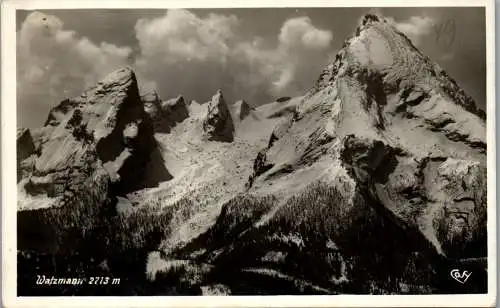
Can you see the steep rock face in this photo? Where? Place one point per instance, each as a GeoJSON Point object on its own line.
{"type": "Point", "coordinates": [379, 171]}
{"type": "Point", "coordinates": [95, 146]}
{"type": "Point", "coordinates": [218, 125]}
{"type": "Point", "coordinates": [444, 198]}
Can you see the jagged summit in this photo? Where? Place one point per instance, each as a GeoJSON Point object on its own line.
{"type": "Point", "coordinates": [383, 112]}
{"type": "Point", "coordinates": [218, 124]}
{"type": "Point", "coordinates": [371, 18]}
{"type": "Point", "coordinates": [173, 102]}
{"type": "Point", "coordinates": [381, 53]}
{"type": "Point", "coordinates": [122, 75]}
{"type": "Point", "coordinates": [121, 81]}
{"type": "Point", "coordinates": [105, 132]}
{"type": "Point", "coordinates": [173, 111]}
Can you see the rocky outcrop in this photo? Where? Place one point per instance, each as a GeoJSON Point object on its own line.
{"type": "Point", "coordinates": [218, 124]}
{"type": "Point", "coordinates": [283, 99]}
{"type": "Point", "coordinates": [41, 135]}
{"type": "Point", "coordinates": [152, 104]}
{"type": "Point", "coordinates": [241, 109]}
{"type": "Point", "coordinates": [441, 197]}
{"type": "Point", "coordinates": [60, 111]}
{"type": "Point", "coordinates": [173, 111]}
{"type": "Point", "coordinates": [164, 114]}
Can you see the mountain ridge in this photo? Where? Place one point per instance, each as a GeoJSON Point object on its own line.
{"type": "Point", "coordinates": [384, 144]}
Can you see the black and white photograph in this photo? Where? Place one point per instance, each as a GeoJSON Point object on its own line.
{"type": "Point", "coordinates": [250, 151]}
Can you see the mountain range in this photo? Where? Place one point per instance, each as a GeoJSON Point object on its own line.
{"type": "Point", "coordinates": [372, 182]}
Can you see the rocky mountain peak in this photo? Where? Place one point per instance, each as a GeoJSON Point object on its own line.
{"type": "Point", "coordinates": [241, 109]}
{"type": "Point", "coordinates": [178, 100]}
{"type": "Point", "coordinates": [174, 104]}
{"type": "Point", "coordinates": [122, 81]}
{"type": "Point", "coordinates": [370, 19]}
{"type": "Point", "coordinates": [382, 111]}
{"type": "Point", "coordinates": [122, 76]}
{"type": "Point", "coordinates": [218, 124]}
{"type": "Point", "coordinates": [173, 111]}
{"type": "Point", "coordinates": [383, 57]}
{"type": "Point", "coordinates": [105, 130]}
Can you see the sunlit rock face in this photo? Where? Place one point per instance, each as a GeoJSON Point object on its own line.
{"type": "Point", "coordinates": [218, 124]}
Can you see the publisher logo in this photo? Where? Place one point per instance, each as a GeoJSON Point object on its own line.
{"type": "Point", "coordinates": [460, 276]}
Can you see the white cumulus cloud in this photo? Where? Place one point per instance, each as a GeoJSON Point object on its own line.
{"type": "Point", "coordinates": [304, 50]}
{"type": "Point", "coordinates": [177, 53]}
{"type": "Point", "coordinates": [180, 34]}
{"type": "Point", "coordinates": [415, 28]}
{"type": "Point", "coordinates": [299, 32]}
{"type": "Point", "coordinates": [191, 55]}
{"type": "Point", "coordinates": [54, 63]}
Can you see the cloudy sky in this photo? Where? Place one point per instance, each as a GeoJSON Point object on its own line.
{"type": "Point", "coordinates": [252, 54]}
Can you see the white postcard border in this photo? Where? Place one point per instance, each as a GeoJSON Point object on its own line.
{"type": "Point", "coordinates": [8, 167]}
